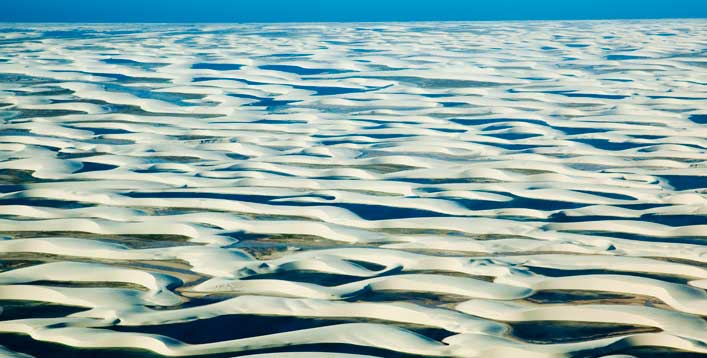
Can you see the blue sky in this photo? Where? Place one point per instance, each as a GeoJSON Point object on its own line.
{"type": "Point", "coordinates": [340, 10]}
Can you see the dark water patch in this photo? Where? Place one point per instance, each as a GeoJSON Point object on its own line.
{"type": "Point", "coordinates": [149, 66]}
{"type": "Point", "coordinates": [686, 182]}
{"type": "Point", "coordinates": [577, 297]}
{"type": "Point", "coordinates": [450, 130]}
{"type": "Point", "coordinates": [54, 91]}
{"type": "Point", "coordinates": [258, 171]}
{"type": "Point", "coordinates": [42, 349]}
{"type": "Point", "coordinates": [561, 217]}
{"type": "Point", "coordinates": [253, 240]}
{"type": "Point", "coordinates": [301, 70]}
{"type": "Point", "coordinates": [453, 104]}
{"type": "Point", "coordinates": [365, 211]}
{"type": "Point", "coordinates": [333, 348]}
{"type": "Point", "coordinates": [553, 272]}
{"type": "Point", "coordinates": [607, 194]}
{"type": "Point", "coordinates": [577, 45]}
{"type": "Point", "coordinates": [121, 108]}
{"type": "Point", "coordinates": [172, 159]}
{"type": "Point", "coordinates": [344, 141]}
{"type": "Point", "coordinates": [516, 202]}
{"type": "Point", "coordinates": [318, 90]}
{"type": "Point", "coordinates": [578, 130]}
{"type": "Point", "coordinates": [385, 124]}
{"type": "Point", "coordinates": [51, 203]}
{"type": "Point", "coordinates": [242, 80]}
{"type": "Point", "coordinates": [383, 169]}
{"type": "Point", "coordinates": [15, 309]}
{"type": "Point", "coordinates": [429, 299]}
{"type": "Point", "coordinates": [315, 277]}
{"type": "Point", "coordinates": [69, 34]}
{"type": "Point", "coordinates": [482, 121]}
{"type": "Point", "coordinates": [605, 144]}
{"type": "Point", "coordinates": [239, 326]}
{"type": "Point", "coordinates": [105, 131]}
{"type": "Point", "coordinates": [495, 127]}
{"type": "Point", "coordinates": [196, 137]}
{"type": "Point", "coordinates": [7, 30]}
{"type": "Point", "coordinates": [11, 188]}
{"type": "Point", "coordinates": [15, 132]}
{"type": "Point", "coordinates": [371, 266]}
{"type": "Point", "coordinates": [381, 212]}
{"type": "Point", "coordinates": [96, 48]}
{"type": "Point", "coordinates": [678, 97]}
{"type": "Point", "coordinates": [152, 169]}
{"type": "Point", "coordinates": [624, 80]}
{"type": "Point", "coordinates": [268, 102]}
{"type": "Point", "coordinates": [279, 121]}
{"type": "Point", "coordinates": [675, 220]}
{"type": "Point", "coordinates": [642, 206]}
{"type": "Point", "coordinates": [120, 77]}
{"type": "Point", "coordinates": [554, 332]}
{"type": "Point", "coordinates": [260, 199]}
{"type": "Point", "coordinates": [646, 136]}
{"type": "Point", "coordinates": [513, 136]}
{"type": "Point", "coordinates": [287, 55]}
{"type": "Point", "coordinates": [217, 66]}
{"type": "Point", "coordinates": [331, 91]}
{"type": "Point", "coordinates": [237, 156]}
{"type": "Point", "coordinates": [18, 176]}
{"type": "Point", "coordinates": [435, 95]}
{"type": "Point", "coordinates": [11, 261]}
{"type": "Point", "coordinates": [699, 118]}
{"type": "Point", "coordinates": [110, 141]}
{"type": "Point", "coordinates": [625, 57]}
{"type": "Point", "coordinates": [365, 50]}
{"type": "Point", "coordinates": [22, 113]}
{"type": "Point", "coordinates": [93, 284]}
{"type": "Point", "coordinates": [654, 352]}
{"type": "Point", "coordinates": [94, 167]}
{"type": "Point", "coordinates": [273, 34]}
{"type": "Point", "coordinates": [652, 148]}
{"type": "Point", "coordinates": [587, 95]}
{"type": "Point", "coordinates": [174, 98]}
{"type": "Point", "coordinates": [120, 32]}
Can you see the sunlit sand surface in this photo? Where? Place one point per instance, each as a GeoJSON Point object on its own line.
{"type": "Point", "coordinates": [517, 189]}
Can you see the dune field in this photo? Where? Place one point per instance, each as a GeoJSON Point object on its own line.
{"type": "Point", "coordinates": [354, 190]}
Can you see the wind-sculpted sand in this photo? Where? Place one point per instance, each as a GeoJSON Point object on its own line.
{"type": "Point", "coordinates": [530, 189]}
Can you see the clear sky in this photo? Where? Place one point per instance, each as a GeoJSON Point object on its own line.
{"type": "Point", "coordinates": [340, 10]}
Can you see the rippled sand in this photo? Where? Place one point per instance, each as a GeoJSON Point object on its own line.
{"type": "Point", "coordinates": [530, 189]}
